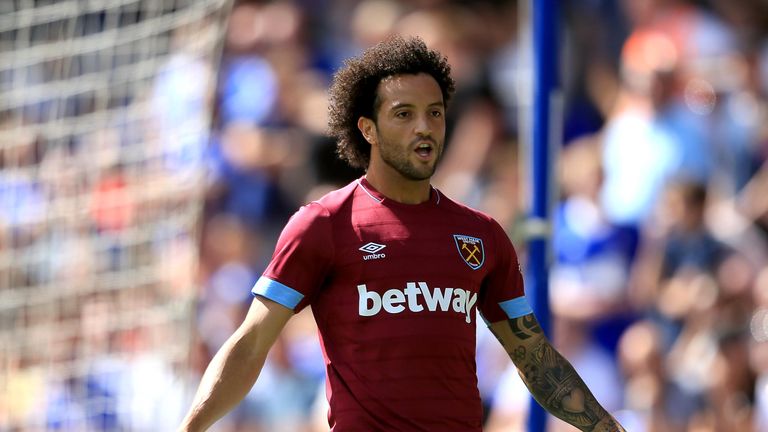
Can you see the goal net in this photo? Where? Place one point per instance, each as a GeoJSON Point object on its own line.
{"type": "Point", "coordinates": [104, 112]}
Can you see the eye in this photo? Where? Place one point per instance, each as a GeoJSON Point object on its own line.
{"type": "Point", "coordinates": [437, 113]}
{"type": "Point", "coordinates": [402, 114]}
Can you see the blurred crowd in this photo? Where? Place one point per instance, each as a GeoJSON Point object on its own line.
{"type": "Point", "coordinates": [100, 154]}
{"type": "Point", "coordinates": [659, 277]}
{"type": "Point", "coordinates": [659, 272]}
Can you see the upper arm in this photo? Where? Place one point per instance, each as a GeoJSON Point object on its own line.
{"type": "Point", "coordinates": [263, 323]}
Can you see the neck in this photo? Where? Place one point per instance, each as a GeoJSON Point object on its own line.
{"type": "Point", "coordinates": [398, 188]}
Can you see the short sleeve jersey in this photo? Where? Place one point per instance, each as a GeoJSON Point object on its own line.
{"type": "Point", "coordinates": [394, 289]}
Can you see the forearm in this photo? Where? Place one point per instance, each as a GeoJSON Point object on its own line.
{"type": "Point", "coordinates": [550, 378]}
{"type": "Point", "coordinates": [555, 384]}
{"type": "Point", "coordinates": [226, 381]}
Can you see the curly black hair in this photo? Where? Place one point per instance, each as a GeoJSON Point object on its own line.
{"type": "Point", "coordinates": [353, 93]}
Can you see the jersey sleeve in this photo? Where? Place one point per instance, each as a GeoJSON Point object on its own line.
{"type": "Point", "coordinates": [502, 294]}
{"type": "Point", "coordinates": [300, 262]}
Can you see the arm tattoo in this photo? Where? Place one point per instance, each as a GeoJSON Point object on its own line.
{"type": "Point", "coordinates": [552, 380]}
{"type": "Point", "coordinates": [518, 354]}
{"type": "Point", "coordinates": [525, 327]}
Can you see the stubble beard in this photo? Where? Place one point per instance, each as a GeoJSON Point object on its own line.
{"type": "Point", "coordinates": [399, 161]}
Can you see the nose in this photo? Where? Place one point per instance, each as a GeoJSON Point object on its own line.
{"type": "Point", "coordinates": [422, 127]}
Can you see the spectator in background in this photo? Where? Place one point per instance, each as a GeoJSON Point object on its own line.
{"type": "Point", "coordinates": [594, 256]}
{"type": "Point", "coordinates": [758, 350]}
{"type": "Point", "coordinates": [179, 109]}
{"type": "Point", "coordinates": [698, 307]}
{"type": "Point", "coordinates": [640, 357]}
{"type": "Point", "coordinates": [639, 156]}
{"type": "Point", "coordinates": [683, 248]}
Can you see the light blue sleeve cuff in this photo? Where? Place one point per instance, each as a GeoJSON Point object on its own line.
{"type": "Point", "coordinates": [277, 292]}
{"type": "Point", "coordinates": [516, 308]}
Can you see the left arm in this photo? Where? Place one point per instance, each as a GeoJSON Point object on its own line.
{"type": "Point", "coordinates": [550, 377]}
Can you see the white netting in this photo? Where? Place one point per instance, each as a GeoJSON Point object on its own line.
{"type": "Point", "coordinates": [104, 112]}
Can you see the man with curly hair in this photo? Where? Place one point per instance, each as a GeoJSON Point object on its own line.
{"type": "Point", "coordinates": [394, 272]}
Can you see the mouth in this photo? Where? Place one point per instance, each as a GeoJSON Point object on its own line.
{"type": "Point", "coordinates": [424, 149]}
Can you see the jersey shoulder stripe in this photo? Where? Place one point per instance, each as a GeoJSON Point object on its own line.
{"type": "Point", "coordinates": [516, 307]}
{"type": "Point", "coordinates": [277, 292]}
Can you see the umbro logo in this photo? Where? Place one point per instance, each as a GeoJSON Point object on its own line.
{"type": "Point", "coordinates": [371, 249]}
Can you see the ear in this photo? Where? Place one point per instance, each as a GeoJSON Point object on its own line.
{"type": "Point", "coordinates": [368, 128]}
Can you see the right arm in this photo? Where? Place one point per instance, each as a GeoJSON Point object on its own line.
{"type": "Point", "coordinates": [236, 366]}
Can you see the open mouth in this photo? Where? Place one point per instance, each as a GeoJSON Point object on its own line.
{"type": "Point", "coordinates": [424, 150]}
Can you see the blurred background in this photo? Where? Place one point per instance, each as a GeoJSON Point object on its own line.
{"type": "Point", "coordinates": [151, 151]}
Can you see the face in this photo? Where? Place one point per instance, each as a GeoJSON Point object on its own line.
{"type": "Point", "coordinates": [408, 134]}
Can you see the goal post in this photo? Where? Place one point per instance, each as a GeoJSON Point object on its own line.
{"type": "Point", "coordinates": [105, 107]}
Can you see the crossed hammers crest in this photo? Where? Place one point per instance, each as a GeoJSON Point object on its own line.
{"type": "Point", "coordinates": [472, 252]}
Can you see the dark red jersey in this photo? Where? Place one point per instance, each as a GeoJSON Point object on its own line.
{"type": "Point", "coordinates": [394, 289]}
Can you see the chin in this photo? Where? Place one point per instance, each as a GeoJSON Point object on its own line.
{"type": "Point", "coordinates": [424, 176]}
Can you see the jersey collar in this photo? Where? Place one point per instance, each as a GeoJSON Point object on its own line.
{"type": "Point", "coordinates": [434, 195]}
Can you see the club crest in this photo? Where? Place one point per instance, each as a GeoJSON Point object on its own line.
{"type": "Point", "coordinates": [471, 250]}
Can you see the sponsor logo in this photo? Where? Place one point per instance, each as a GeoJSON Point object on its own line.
{"type": "Point", "coordinates": [416, 297]}
{"type": "Point", "coordinates": [371, 249]}
{"type": "Point", "coordinates": [471, 250]}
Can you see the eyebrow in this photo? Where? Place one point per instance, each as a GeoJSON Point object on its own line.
{"type": "Point", "coordinates": [409, 105]}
